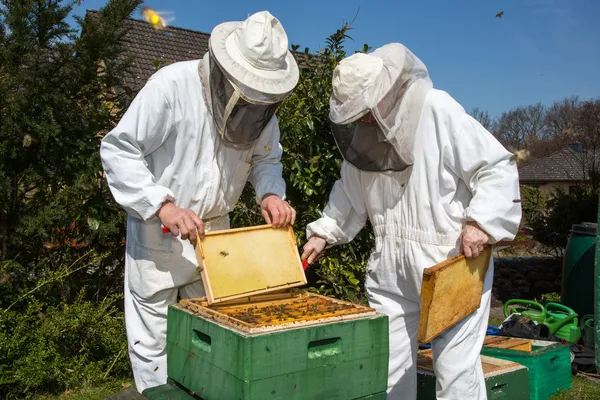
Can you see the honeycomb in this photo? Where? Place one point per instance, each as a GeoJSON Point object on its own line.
{"type": "Point", "coordinates": [301, 308]}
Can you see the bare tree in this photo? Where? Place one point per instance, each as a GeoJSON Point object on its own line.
{"type": "Point", "coordinates": [484, 118]}
{"type": "Point", "coordinates": [587, 125]}
{"type": "Point", "coordinates": [561, 117]}
{"type": "Point", "coordinates": [522, 127]}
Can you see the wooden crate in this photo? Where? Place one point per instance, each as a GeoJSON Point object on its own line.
{"type": "Point", "coordinates": [451, 291]}
{"type": "Point", "coordinates": [270, 350]}
{"type": "Point", "coordinates": [549, 364]}
{"type": "Point", "coordinates": [503, 379]}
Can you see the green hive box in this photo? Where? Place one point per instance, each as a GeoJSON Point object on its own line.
{"type": "Point", "coordinates": [549, 365]}
{"type": "Point", "coordinates": [504, 380]}
{"type": "Point", "coordinates": [172, 391]}
{"type": "Point", "coordinates": [214, 354]}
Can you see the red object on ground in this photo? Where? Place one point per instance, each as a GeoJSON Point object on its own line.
{"type": "Point", "coordinates": [305, 264]}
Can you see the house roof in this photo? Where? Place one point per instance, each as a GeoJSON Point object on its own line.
{"type": "Point", "coordinates": [566, 165]}
{"type": "Point", "coordinates": [147, 47]}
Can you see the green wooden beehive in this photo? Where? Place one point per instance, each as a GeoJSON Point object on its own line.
{"type": "Point", "coordinates": [549, 365]}
{"type": "Point", "coordinates": [504, 380]}
{"type": "Point", "coordinates": [256, 336]}
{"type": "Point", "coordinates": [220, 359]}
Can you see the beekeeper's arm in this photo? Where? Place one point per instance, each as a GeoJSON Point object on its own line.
{"type": "Point", "coordinates": [266, 177]}
{"type": "Point", "coordinates": [343, 217]}
{"type": "Point", "coordinates": [478, 159]}
{"type": "Point", "coordinates": [145, 126]}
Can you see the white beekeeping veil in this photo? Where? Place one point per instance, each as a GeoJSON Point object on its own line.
{"type": "Point", "coordinates": [390, 84]}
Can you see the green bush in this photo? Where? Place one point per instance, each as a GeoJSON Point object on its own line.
{"type": "Point", "coordinates": [53, 349]}
{"type": "Point", "coordinates": [551, 219]}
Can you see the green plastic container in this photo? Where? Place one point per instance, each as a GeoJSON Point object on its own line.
{"type": "Point", "coordinates": [562, 322]}
{"type": "Point", "coordinates": [549, 366]}
{"type": "Point", "coordinates": [578, 269]}
{"type": "Point", "coordinates": [587, 331]}
{"type": "Point", "coordinates": [531, 309]}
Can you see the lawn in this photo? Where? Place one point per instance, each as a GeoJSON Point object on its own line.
{"type": "Point", "coordinates": [583, 389]}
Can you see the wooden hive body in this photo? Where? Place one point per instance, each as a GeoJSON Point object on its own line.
{"type": "Point", "coordinates": [324, 354]}
{"type": "Point", "coordinates": [504, 380]}
{"type": "Point", "coordinates": [549, 364]}
{"type": "Point", "coordinates": [265, 339]}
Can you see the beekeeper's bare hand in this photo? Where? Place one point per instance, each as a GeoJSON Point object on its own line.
{"type": "Point", "coordinates": [313, 249]}
{"type": "Point", "coordinates": [181, 221]}
{"type": "Point", "coordinates": [473, 240]}
{"type": "Point", "coordinates": [277, 212]}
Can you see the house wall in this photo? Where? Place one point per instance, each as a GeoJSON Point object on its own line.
{"type": "Point", "coordinates": [548, 188]}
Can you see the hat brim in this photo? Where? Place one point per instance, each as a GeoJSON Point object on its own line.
{"type": "Point", "coordinates": [276, 82]}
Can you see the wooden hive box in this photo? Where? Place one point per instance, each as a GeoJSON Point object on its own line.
{"type": "Point", "coordinates": [549, 364]}
{"type": "Point", "coordinates": [503, 379]}
{"type": "Point", "coordinates": [451, 291]}
{"type": "Point", "coordinates": [265, 338]}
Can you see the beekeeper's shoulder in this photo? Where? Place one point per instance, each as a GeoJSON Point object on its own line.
{"type": "Point", "coordinates": [440, 103]}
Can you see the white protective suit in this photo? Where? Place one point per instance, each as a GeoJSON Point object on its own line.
{"type": "Point", "coordinates": [166, 147]}
{"type": "Point", "coordinates": [456, 171]}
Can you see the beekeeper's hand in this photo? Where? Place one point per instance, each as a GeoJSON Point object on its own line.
{"type": "Point", "coordinates": [473, 240]}
{"type": "Point", "coordinates": [181, 221]}
{"type": "Point", "coordinates": [313, 249]}
{"type": "Point", "coordinates": [277, 212]}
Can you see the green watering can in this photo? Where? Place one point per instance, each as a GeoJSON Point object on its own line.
{"type": "Point", "coordinates": [562, 322]}
{"type": "Point", "coordinates": [587, 331]}
{"type": "Point", "coordinates": [532, 310]}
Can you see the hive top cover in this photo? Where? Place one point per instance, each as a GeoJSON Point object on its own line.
{"type": "Point", "coordinates": [236, 263]}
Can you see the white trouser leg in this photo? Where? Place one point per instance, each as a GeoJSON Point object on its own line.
{"type": "Point", "coordinates": [457, 362]}
{"type": "Point", "coordinates": [403, 318]}
{"type": "Point", "coordinates": [146, 323]}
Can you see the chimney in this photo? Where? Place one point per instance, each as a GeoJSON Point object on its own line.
{"type": "Point", "coordinates": [576, 147]}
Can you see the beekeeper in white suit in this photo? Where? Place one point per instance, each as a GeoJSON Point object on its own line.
{"type": "Point", "coordinates": [433, 182]}
{"type": "Point", "coordinates": [180, 157]}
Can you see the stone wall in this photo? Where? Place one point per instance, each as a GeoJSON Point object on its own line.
{"type": "Point", "coordinates": [526, 277]}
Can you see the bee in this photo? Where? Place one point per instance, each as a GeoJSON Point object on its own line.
{"type": "Point", "coordinates": [520, 155]}
{"type": "Point", "coordinates": [156, 19]}
{"type": "Point", "coordinates": [224, 253]}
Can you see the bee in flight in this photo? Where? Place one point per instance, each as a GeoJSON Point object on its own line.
{"type": "Point", "coordinates": [158, 19]}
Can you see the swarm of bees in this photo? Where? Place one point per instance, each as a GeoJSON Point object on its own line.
{"type": "Point", "coordinates": [158, 19]}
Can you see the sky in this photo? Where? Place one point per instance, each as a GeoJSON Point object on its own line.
{"type": "Point", "coordinates": [539, 51]}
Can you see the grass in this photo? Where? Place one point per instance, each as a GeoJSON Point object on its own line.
{"type": "Point", "coordinates": [90, 393]}
{"type": "Point", "coordinates": [583, 389]}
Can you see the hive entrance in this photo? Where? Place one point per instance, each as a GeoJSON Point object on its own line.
{"type": "Point", "coordinates": [299, 309]}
